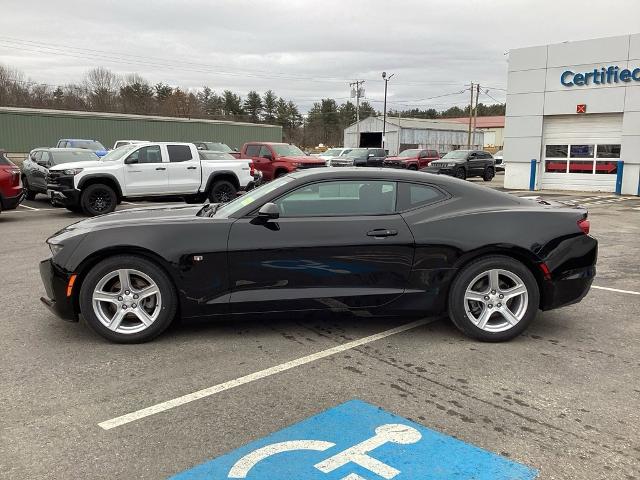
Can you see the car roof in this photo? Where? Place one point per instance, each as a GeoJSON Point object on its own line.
{"type": "Point", "coordinates": [56, 149]}
{"type": "Point", "coordinates": [77, 140]}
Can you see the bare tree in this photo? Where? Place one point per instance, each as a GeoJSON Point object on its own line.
{"type": "Point", "coordinates": [103, 87]}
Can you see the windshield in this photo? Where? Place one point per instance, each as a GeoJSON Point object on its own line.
{"type": "Point", "coordinates": [70, 156]}
{"type": "Point", "coordinates": [88, 144]}
{"type": "Point", "coordinates": [211, 155]}
{"type": "Point", "coordinates": [456, 154]}
{"type": "Point", "coordinates": [357, 152]}
{"type": "Point", "coordinates": [409, 153]}
{"type": "Point", "coordinates": [498, 154]}
{"type": "Point", "coordinates": [335, 152]}
{"type": "Point", "coordinates": [118, 153]}
{"type": "Point", "coordinates": [288, 150]}
{"type": "Point", "coordinates": [252, 196]}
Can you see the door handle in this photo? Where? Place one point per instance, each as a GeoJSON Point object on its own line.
{"type": "Point", "coordinates": [382, 232]}
{"type": "Point", "coordinates": [161, 168]}
{"type": "Point", "coordinates": [191, 168]}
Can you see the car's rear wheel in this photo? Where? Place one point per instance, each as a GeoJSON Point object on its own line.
{"type": "Point", "coordinates": [280, 173]}
{"type": "Point", "coordinates": [222, 191]}
{"type": "Point", "coordinates": [98, 199]}
{"type": "Point", "coordinates": [29, 194]}
{"type": "Point", "coordinates": [413, 167]}
{"type": "Point", "coordinates": [128, 299]}
{"type": "Point", "coordinates": [488, 175]}
{"type": "Point", "coordinates": [494, 299]}
{"type": "Point", "coordinates": [461, 173]}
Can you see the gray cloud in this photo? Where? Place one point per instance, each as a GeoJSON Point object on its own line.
{"type": "Point", "coordinates": [303, 50]}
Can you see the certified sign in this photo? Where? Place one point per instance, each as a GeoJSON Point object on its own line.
{"type": "Point", "coordinates": [358, 441]}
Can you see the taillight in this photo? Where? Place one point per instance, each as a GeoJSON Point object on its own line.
{"type": "Point", "coordinates": [15, 178]}
{"type": "Point", "coordinates": [252, 167]}
{"type": "Point", "coordinates": [584, 225]}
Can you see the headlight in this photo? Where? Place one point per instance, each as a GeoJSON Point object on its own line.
{"type": "Point", "coordinates": [55, 248]}
{"type": "Point", "coordinates": [451, 164]}
{"type": "Point", "coordinates": [72, 171]}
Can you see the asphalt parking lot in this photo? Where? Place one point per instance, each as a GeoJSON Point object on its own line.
{"type": "Point", "coordinates": [563, 398]}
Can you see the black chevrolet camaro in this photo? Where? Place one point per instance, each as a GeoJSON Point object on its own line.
{"type": "Point", "coordinates": [389, 242]}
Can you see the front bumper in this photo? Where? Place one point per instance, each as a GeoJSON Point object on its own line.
{"type": "Point", "coordinates": [55, 285]}
{"type": "Point", "coordinates": [64, 196]}
{"type": "Point", "coordinates": [394, 165]}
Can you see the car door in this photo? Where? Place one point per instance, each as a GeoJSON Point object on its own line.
{"type": "Point", "coordinates": [145, 172]}
{"type": "Point", "coordinates": [30, 165]}
{"type": "Point", "coordinates": [185, 175]}
{"type": "Point", "coordinates": [376, 157]}
{"type": "Point", "coordinates": [39, 173]}
{"type": "Point", "coordinates": [337, 245]}
{"type": "Point", "coordinates": [263, 161]}
{"type": "Point", "coordinates": [474, 163]}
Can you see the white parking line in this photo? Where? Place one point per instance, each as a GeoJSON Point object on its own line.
{"type": "Point", "coordinates": [30, 208]}
{"type": "Point", "coordinates": [631, 292]}
{"type": "Point", "coordinates": [252, 377]}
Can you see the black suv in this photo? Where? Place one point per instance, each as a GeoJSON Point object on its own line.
{"type": "Point", "coordinates": [36, 166]}
{"type": "Point", "coordinates": [464, 164]}
{"type": "Point", "coordinates": [361, 157]}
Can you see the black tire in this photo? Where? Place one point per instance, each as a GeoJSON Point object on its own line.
{"type": "Point", "coordinates": [222, 191]}
{"type": "Point", "coordinates": [461, 173]}
{"type": "Point", "coordinates": [488, 175]}
{"type": "Point", "coordinates": [169, 300]}
{"type": "Point", "coordinates": [280, 173]}
{"type": "Point", "coordinates": [457, 303]}
{"type": "Point", "coordinates": [412, 167]}
{"type": "Point", "coordinates": [98, 199]}
{"type": "Point", "coordinates": [29, 194]}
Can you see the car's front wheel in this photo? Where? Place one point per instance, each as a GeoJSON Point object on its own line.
{"type": "Point", "coordinates": [128, 299]}
{"type": "Point", "coordinates": [494, 299]}
{"type": "Point", "coordinates": [488, 175]}
{"type": "Point", "coordinates": [461, 173]}
{"type": "Point", "coordinates": [98, 199]}
{"type": "Point", "coordinates": [29, 194]}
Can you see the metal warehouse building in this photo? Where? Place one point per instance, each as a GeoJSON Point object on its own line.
{"type": "Point", "coordinates": [22, 129]}
{"type": "Point", "coordinates": [404, 133]}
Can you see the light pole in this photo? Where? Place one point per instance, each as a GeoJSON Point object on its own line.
{"type": "Point", "coordinates": [384, 113]}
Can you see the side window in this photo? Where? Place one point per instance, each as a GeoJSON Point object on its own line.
{"type": "Point", "coordinates": [45, 159]}
{"type": "Point", "coordinates": [179, 153]}
{"type": "Point", "coordinates": [252, 150]}
{"type": "Point", "coordinates": [432, 154]}
{"type": "Point", "coordinates": [363, 197]}
{"type": "Point", "coordinates": [150, 154]}
{"type": "Point", "coordinates": [36, 156]}
{"type": "Point", "coordinates": [265, 152]}
{"type": "Point", "coordinates": [412, 195]}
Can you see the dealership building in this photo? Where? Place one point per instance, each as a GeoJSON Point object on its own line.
{"type": "Point", "coordinates": [574, 108]}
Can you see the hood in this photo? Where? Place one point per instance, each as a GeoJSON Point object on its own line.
{"type": "Point", "coordinates": [402, 159]}
{"type": "Point", "coordinates": [137, 216]}
{"type": "Point", "coordinates": [85, 164]}
{"type": "Point", "coordinates": [298, 159]}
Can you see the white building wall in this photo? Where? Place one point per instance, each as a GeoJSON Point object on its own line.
{"type": "Point", "coordinates": [535, 91]}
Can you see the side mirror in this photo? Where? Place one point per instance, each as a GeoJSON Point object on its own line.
{"type": "Point", "coordinates": [269, 211]}
{"type": "Point", "coordinates": [130, 160]}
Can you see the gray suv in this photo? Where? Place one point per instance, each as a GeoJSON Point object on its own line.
{"type": "Point", "coordinates": [465, 163]}
{"type": "Point", "coordinates": [361, 157]}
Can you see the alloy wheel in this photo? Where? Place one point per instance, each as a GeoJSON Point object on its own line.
{"type": "Point", "coordinates": [496, 300]}
{"type": "Point", "coordinates": [100, 200]}
{"type": "Point", "coordinates": [223, 194]}
{"type": "Point", "coordinates": [126, 301]}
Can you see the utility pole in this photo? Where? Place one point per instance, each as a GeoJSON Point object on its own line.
{"type": "Point", "coordinates": [399, 132]}
{"type": "Point", "coordinates": [384, 114]}
{"type": "Point", "coordinates": [470, 119]}
{"type": "Point", "coordinates": [358, 91]}
{"type": "Point", "coordinates": [475, 113]}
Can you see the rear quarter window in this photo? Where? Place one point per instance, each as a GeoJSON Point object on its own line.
{"type": "Point", "coordinates": [413, 195]}
{"type": "Point", "coordinates": [179, 153]}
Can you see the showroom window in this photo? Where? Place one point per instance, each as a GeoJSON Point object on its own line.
{"type": "Point", "coordinates": [365, 197]}
{"type": "Point", "coordinates": [582, 158]}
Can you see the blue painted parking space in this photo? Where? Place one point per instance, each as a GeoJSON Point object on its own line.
{"type": "Point", "coordinates": [359, 441]}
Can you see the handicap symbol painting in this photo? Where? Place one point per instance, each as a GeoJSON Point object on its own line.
{"type": "Point", "coordinates": [359, 441]}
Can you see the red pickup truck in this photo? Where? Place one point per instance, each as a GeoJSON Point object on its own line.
{"type": "Point", "coordinates": [277, 159]}
{"type": "Point", "coordinates": [413, 159]}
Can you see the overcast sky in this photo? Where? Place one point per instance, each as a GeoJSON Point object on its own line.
{"type": "Point", "coordinates": [303, 50]}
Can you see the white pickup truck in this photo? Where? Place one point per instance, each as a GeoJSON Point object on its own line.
{"type": "Point", "coordinates": [147, 170]}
